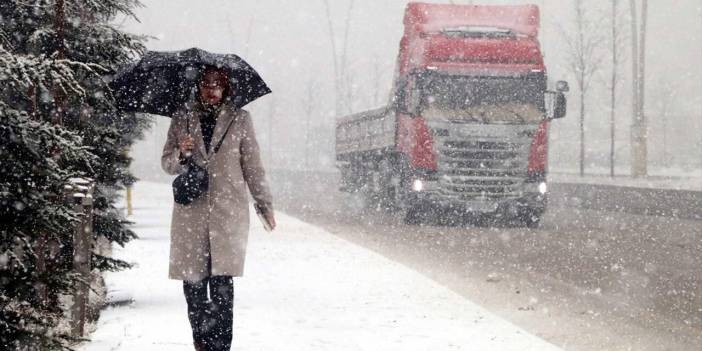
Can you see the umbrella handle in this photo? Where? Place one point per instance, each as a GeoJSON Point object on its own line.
{"type": "Point", "coordinates": [187, 129]}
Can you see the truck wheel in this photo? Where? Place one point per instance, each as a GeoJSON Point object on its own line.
{"type": "Point", "coordinates": [414, 215]}
{"type": "Point", "coordinates": [532, 219]}
{"type": "Point", "coordinates": [388, 191]}
{"type": "Point", "coordinates": [447, 216]}
{"type": "Point", "coordinates": [388, 200]}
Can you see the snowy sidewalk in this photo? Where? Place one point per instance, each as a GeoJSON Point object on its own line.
{"type": "Point", "coordinates": [303, 289]}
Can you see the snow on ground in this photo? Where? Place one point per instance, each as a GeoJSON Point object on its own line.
{"type": "Point", "coordinates": [691, 182]}
{"type": "Point", "coordinates": [304, 289]}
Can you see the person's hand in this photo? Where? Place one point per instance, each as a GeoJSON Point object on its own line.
{"type": "Point", "coordinates": [187, 145]}
{"type": "Point", "coordinates": [270, 218]}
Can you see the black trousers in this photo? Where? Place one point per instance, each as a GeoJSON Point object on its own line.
{"type": "Point", "coordinates": [211, 318]}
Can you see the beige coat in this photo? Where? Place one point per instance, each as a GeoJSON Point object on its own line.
{"type": "Point", "coordinates": [218, 222]}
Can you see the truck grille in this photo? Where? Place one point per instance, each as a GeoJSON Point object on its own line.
{"type": "Point", "coordinates": [486, 169]}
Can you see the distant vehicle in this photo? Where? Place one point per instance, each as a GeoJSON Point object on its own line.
{"type": "Point", "coordinates": [466, 129]}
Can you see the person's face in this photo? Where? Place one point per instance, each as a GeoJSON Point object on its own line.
{"type": "Point", "coordinates": [212, 86]}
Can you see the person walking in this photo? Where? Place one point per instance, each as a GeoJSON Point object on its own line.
{"type": "Point", "coordinates": [209, 236]}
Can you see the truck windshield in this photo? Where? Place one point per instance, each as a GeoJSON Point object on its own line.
{"type": "Point", "coordinates": [478, 32]}
{"type": "Point", "coordinates": [484, 99]}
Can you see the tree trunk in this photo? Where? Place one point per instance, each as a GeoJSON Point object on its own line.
{"type": "Point", "coordinates": [347, 85]}
{"type": "Point", "coordinates": [615, 43]}
{"type": "Point", "coordinates": [582, 132]}
{"type": "Point", "coordinates": [699, 11]}
{"type": "Point", "coordinates": [634, 138]}
{"type": "Point", "coordinates": [340, 75]}
{"type": "Point", "coordinates": [642, 90]}
{"type": "Point", "coordinates": [337, 77]}
{"type": "Point", "coordinates": [638, 127]}
{"type": "Point", "coordinates": [581, 81]}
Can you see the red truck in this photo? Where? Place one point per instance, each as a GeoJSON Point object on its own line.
{"type": "Point", "coordinates": [466, 130]}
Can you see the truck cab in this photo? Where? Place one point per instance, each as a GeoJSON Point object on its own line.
{"type": "Point", "coordinates": [470, 111]}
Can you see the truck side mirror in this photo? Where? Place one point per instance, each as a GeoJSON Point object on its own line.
{"type": "Point", "coordinates": [407, 99]}
{"type": "Point", "coordinates": [561, 105]}
{"type": "Point", "coordinates": [556, 105]}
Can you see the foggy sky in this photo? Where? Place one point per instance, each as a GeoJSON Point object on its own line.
{"type": "Point", "coordinates": [288, 43]}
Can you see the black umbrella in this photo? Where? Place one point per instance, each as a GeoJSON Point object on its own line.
{"type": "Point", "coordinates": [161, 82]}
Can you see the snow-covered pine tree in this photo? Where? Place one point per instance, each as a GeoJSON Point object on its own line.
{"type": "Point", "coordinates": [55, 55]}
{"type": "Point", "coordinates": [85, 31]}
{"type": "Point", "coordinates": [37, 160]}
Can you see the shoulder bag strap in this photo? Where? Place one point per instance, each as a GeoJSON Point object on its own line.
{"type": "Point", "coordinates": [219, 144]}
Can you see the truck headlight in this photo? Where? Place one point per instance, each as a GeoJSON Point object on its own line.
{"type": "Point", "coordinates": [417, 185]}
{"type": "Point", "coordinates": [543, 188]}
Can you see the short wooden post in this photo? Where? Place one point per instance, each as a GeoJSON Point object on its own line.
{"type": "Point", "coordinates": [82, 245]}
{"type": "Point", "coordinates": [129, 201]}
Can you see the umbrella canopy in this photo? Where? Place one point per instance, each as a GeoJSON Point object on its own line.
{"type": "Point", "coordinates": [162, 82]}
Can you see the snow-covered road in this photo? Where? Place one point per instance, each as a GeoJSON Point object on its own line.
{"type": "Point", "coordinates": [303, 289]}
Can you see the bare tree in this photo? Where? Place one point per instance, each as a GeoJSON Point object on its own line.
{"type": "Point", "coordinates": [346, 78]}
{"type": "Point", "coordinates": [639, 152]}
{"type": "Point", "coordinates": [699, 12]}
{"type": "Point", "coordinates": [309, 103]}
{"type": "Point", "coordinates": [666, 98]}
{"type": "Point", "coordinates": [583, 61]}
{"type": "Point", "coordinates": [332, 39]}
{"type": "Point", "coordinates": [634, 66]}
{"type": "Point", "coordinates": [341, 78]}
{"type": "Point", "coordinates": [617, 40]}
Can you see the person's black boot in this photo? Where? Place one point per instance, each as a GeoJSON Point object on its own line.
{"type": "Point", "coordinates": [198, 312]}
{"type": "Point", "coordinates": [221, 312]}
{"type": "Point", "coordinates": [200, 346]}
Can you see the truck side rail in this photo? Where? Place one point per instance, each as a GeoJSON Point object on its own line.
{"type": "Point", "coordinates": [365, 131]}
